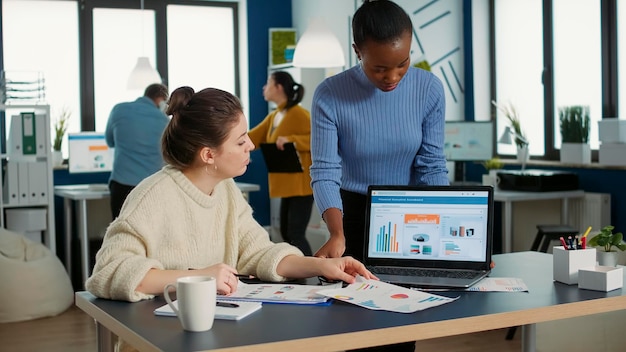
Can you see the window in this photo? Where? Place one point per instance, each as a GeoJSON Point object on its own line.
{"type": "Point", "coordinates": [577, 61]}
{"type": "Point", "coordinates": [120, 36]}
{"type": "Point", "coordinates": [208, 60]}
{"type": "Point", "coordinates": [88, 73]}
{"type": "Point", "coordinates": [549, 54]}
{"type": "Point", "coordinates": [43, 36]}
{"type": "Point", "coordinates": [519, 66]}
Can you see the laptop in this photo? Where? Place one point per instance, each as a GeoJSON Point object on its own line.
{"type": "Point", "coordinates": [429, 236]}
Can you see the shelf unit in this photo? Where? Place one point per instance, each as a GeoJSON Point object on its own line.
{"type": "Point", "coordinates": [35, 187]}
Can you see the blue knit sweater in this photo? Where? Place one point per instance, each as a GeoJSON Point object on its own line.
{"type": "Point", "coordinates": [363, 136]}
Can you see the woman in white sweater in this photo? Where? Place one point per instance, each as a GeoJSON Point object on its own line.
{"type": "Point", "coordinates": [191, 214]}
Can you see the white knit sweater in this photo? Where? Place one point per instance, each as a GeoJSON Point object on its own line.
{"type": "Point", "coordinates": [168, 223]}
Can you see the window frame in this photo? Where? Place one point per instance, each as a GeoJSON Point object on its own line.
{"type": "Point", "coordinates": [85, 23]}
{"type": "Point", "coordinates": [610, 88]}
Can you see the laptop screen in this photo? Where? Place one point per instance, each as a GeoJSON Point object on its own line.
{"type": "Point", "coordinates": [430, 223]}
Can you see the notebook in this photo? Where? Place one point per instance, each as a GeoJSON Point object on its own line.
{"type": "Point", "coordinates": [429, 236]}
{"type": "Point", "coordinates": [277, 160]}
{"type": "Point", "coordinates": [229, 311]}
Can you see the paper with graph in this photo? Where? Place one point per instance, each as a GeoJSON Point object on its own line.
{"type": "Point", "coordinates": [377, 295]}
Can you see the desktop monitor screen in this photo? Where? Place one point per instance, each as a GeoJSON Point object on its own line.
{"type": "Point", "coordinates": [468, 140]}
{"type": "Point", "coordinates": [89, 152]}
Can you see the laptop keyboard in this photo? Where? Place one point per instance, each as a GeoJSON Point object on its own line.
{"type": "Point", "coordinates": [427, 273]}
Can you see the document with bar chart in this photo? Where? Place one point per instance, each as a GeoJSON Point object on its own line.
{"type": "Point", "coordinates": [378, 295]}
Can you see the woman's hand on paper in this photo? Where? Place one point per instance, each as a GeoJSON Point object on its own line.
{"type": "Point", "coordinates": [344, 269]}
{"type": "Point", "coordinates": [225, 279]}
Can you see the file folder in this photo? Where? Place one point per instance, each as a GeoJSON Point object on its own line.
{"type": "Point", "coordinates": [29, 135]}
{"type": "Point", "coordinates": [11, 184]}
{"type": "Point", "coordinates": [37, 184]}
{"type": "Point", "coordinates": [41, 142]}
{"type": "Point", "coordinates": [22, 173]}
{"type": "Point", "coordinates": [286, 160]}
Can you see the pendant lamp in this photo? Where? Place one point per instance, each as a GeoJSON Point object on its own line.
{"type": "Point", "coordinates": [318, 48]}
{"type": "Point", "coordinates": [143, 74]}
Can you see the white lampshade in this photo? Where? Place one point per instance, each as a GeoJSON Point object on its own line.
{"type": "Point", "coordinates": [143, 74]}
{"type": "Point", "coordinates": [318, 48]}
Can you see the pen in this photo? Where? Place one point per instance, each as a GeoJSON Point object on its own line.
{"type": "Point", "coordinates": [584, 241]}
{"type": "Point", "coordinates": [563, 242]}
{"type": "Point", "coordinates": [227, 304]}
{"type": "Point", "coordinates": [587, 232]}
{"type": "Point", "coordinates": [242, 276]}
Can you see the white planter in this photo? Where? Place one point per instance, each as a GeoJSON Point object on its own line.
{"type": "Point", "coordinates": [576, 153]}
{"type": "Point", "coordinates": [523, 154]}
{"type": "Point", "coordinates": [612, 130]}
{"type": "Point", "coordinates": [489, 180]}
{"type": "Point", "coordinates": [606, 258]}
{"type": "Point", "coordinates": [57, 158]}
{"type": "Point", "coordinates": [612, 154]}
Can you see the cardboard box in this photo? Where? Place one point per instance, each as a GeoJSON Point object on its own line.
{"type": "Point", "coordinates": [567, 263]}
{"type": "Point", "coordinates": [600, 278]}
{"type": "Point", "coordinates": [612, 130]}
{"type": "Point", "coordinates": [612, 154]}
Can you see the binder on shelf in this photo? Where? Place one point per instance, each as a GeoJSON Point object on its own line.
{"type": "Point", "coordinates": [37, 185]}
{"type": "Point", "coordinates": [22, 174]}
{"type": "Point", "coordinates": [15, 137]}
{"type": "Point", "coordinates": [10, 185]}
{"type": "Point", "coordinates": [29, 137]}
{"type": "Point", "coordinates": [286, 160]}
{"type": "Point", "coordinates": [40, 136]}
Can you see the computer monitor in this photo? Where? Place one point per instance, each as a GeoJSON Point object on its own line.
{"type": "Point", "coordinates": [89, 152]}
{"type": "Point", "coordinates": [468, 140]}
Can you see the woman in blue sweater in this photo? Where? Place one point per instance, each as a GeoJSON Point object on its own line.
{"type": "Point", "coordinates": [380, 122]}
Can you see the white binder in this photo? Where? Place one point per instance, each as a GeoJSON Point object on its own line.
{"type": "Point", "coordinates": [11, 182]}
{"type": "Point", "coordinates": [15, 137]}
{"type": "Point", "coordinates": [40, 135]}
{"type": "Point", "coordinates": [22, 174]}
{"type": "Point", "coordinates": [37, 185]}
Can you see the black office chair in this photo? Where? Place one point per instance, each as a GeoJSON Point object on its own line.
{"type": "Point", "coordinates": [545, 235]}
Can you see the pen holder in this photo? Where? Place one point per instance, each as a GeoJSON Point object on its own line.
{"type": "Point", "coordinates": [567, 262]}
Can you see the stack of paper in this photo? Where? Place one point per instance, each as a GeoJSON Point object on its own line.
{"type": "Point", "coordinates": [280, 293]}
{"type": "Point", "coordinates": [237, 311]}
{"type": "Point", "coordinates": [378, 295]}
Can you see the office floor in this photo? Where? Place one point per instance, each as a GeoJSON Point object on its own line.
{"type": "Point", "coordinates": [74, 331]}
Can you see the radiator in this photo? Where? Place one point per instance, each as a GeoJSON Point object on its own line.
{"type": "Point", "coordinates": [594, 209]}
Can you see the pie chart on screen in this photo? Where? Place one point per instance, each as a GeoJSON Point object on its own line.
{"type": "Point", "coordinates": [399, 296]}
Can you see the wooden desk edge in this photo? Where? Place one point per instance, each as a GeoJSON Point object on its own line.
{"type": "Point", "coordinates": [111, 323]}
{"type": "Point", "coordinates": [385, 336]}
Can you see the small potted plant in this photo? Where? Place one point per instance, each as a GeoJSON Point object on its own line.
{"type": "Point", "coordinates": [511, 114]}
{"type": "Point", "coordinates": [60, 128]}
{"type": "Point", "coordinates": [574, 124]}
{"type": "Point", "coordinates": [491, 165]}
{"type": "Point", "coordinates": [609, 243]}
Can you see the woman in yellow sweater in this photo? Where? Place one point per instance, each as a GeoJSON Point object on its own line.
{"type": "Point", "coordinates": [289, 123]}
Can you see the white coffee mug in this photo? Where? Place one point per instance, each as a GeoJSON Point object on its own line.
{"type": "Point", "coordinates": [195, 300]}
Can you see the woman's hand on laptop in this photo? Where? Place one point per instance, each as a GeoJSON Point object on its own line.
{"type": "Point", "coordinates": [344, 269]}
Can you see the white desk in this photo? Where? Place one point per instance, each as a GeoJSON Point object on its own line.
{"type": "Point", "coordinates": [509, 197]}
{"type": "Point", "coordinates": [81, 194]}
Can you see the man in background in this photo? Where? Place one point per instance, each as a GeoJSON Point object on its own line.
{"type": "Point", "coordinates": [134, 129]}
